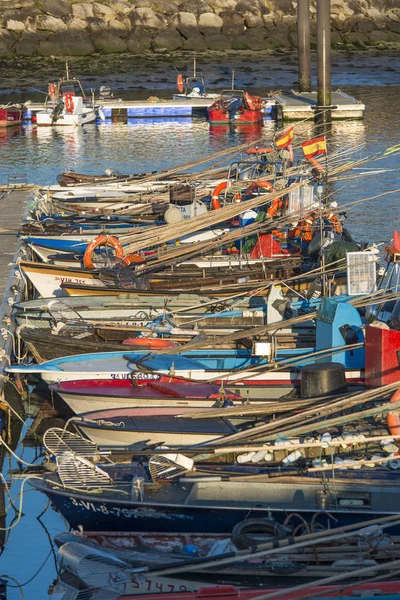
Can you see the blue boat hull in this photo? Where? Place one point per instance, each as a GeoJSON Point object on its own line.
{"type": "Point", "coordinates": [117, 515]}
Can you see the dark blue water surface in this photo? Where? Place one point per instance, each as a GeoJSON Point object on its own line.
{"type": "Point", "coordinates": [146, 145]}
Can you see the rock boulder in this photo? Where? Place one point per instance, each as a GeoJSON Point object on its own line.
{"type": "Point", "coordinates": [82, 10]}
{"type": "Point", "coordinates": [195, 42]}
{"type": "Point", "coordinates": [55, 8]}
{"type": "Point", "coordinates": [106, 43]}
{"type": "Point", "coordinates": [167, 41]}
{"type": "Point", "coordinates": [67, 43]}
{"type": "Point", "coordinates": [139, 40]}
{"type": "Point", "coordinates": [147, 18]}
{"type": "Point", "coordinates": [186, 24]}
{"type": "Point", "coordinates": [49, 23]}
{"type": "Point", "coordinates": [209, 23]}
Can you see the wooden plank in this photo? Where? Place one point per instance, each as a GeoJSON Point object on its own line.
{"type": "Point", "coordinates": [12, 207]}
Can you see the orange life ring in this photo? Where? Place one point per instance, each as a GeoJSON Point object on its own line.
{"type": "Point", "coordinates": [275, 206]}
{"type": "Point", "coordinates": [69, 103]}
{"type": "Point", "coordinates": [217, 191]}
{"type": "Point", "coordinates": [153, 343]}
{"type": "Point", "coordinates": [393, 418]}
{"type": "Point", "coordinates": [179, 83]}
{"type": "Point", "coordinates": [255, 185]}
{"type": "Point", "coordinates": [101, 240]}
{"type": "Point", "coordinates": [259, 151]}
{"type": "Point", "coordinates": [52, 89]}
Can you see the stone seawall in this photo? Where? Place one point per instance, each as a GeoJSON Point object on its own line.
{"type": "Point", "coordinates": [67, 28]}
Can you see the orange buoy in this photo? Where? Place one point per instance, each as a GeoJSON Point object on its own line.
{"type": "Point", "coordinates": [179, 83]}
{"type": "Point", "coordinates": [101, 240]}
{"type": "Point", "coordinates": [215, 195]}
{"type": "Point", "coordinates": [152, 343]}
{"type": "Point", "coordinates": [133, 258]}
{"type": "Point", "coordinates": [393, 418]}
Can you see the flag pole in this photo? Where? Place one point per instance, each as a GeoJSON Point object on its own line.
{"type": "Point", "coordinates": [323, 202]}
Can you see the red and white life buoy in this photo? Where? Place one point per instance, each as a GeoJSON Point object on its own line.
{"type": "Point", "coordinates": [69, 103]}
{"type": "Point", "coordinates": [179, 83]}
{"type": "Point", "coordinates": [101, 240]}
{"type": "Point", "coordinates": [52, 90]}
{"type": "Point", "coordinates": [217, 191]}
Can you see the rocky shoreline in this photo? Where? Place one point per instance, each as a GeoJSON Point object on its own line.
{"type": "Point", "coordinates": [62, 28]}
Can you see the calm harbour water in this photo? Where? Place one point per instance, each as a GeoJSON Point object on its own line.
{"type": "Point", "coordinates": [144, 145]}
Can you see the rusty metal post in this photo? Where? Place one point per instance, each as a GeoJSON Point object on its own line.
{"type": "Point", "coordinates": [303, 45]}
{"type": "Point", "coordinates": [324, 52]}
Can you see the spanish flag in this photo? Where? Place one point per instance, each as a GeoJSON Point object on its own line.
{"type": "Point", "coordinates": [314, 147]}
{"type": "Point", "coordinates": [285, 140]}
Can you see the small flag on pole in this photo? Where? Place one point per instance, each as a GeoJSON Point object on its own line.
{"type": "Point", "coordinates": [314, 147]}
{"type": "Point", "coordinates": [285, 140]}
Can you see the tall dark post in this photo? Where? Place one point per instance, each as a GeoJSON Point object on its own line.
{"type": "Point", "coordinates": [303, 43]}
{"type": "Point", "coordinates": [324, 52]}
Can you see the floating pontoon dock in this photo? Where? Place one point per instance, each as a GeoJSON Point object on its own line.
{"type": "Point", "coordinates": [296, 106]}
{"type": "Point", "coordinates": [288, 105]}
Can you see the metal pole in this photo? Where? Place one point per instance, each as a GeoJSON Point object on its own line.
{"type": "Point", "coordinates": [303, 43]}
{"type": "Point", "coordinates": [323, 53]}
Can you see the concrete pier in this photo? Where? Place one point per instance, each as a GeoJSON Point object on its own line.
{"type": "Point", "coordinates": [13, 203]}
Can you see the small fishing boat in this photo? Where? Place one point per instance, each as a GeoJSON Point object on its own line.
{"type": "Point", "coordinates": [197, 365]}
{"type": "Point", "coordinates": [236, 107]}
{"type": "Point", "coordinates": [71, 177]}
{"type": "Point", "coordinates": [10, 115]}
{"type": "Point", "coordinates": [131, 428]}
{"type": "Point", "coordinates": [99, 394]}
{"type": "Point", "coordinates": [158, 551]}
{"type": "Point", "coordinates": [122, 498]}
{"type": "Point", "coordinates": [69, 111]}
{"type": "Point", "coordinates": [192, 87]}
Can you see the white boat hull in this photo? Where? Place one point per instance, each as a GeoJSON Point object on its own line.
{"type": "Point", "coordinates": [123, 439]}
{"type": "Point", "coordinates": [47, 281]}
{"type": "Point", "coordinates": [81, 116]}
{"type": "Point", "coordinates": [87, 403]}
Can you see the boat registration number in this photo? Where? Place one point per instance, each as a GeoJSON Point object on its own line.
{"type": "Point", "coordinates": [157, 585]}
{"type": "Point", "coordinates": [136, 375]}
{"type": "Point", "coordinates": [127, 513]}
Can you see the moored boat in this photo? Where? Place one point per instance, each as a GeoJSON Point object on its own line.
{"type": "Point", "coordinates": [69, 111]}
{"type": "Point", "coordinates": [236, 107]}
{"type": "Point", "coordinates": [10, 115]}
